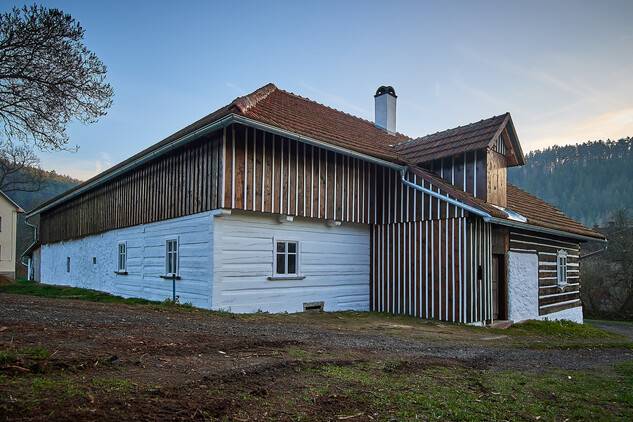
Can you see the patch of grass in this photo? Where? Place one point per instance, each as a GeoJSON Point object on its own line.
{"type": "Point", "coordinates": [441, 393]}
{"type": "Point", "coordinates": [56, 386]}
{"type": "Point", "coordinates": [113, 384]}
{"type": "Point", "coordinates": [65, 292]}
{"type": "Point", "coordinates": [39, 353]}
{"type": "Point", "coordinates": [8, 357]}
{"type": "Point", "coordinates": [568, 345]}
{"type": "Point", "coordinates": [12, 356]}
{"type": "Point", "coordinates": [297, 352]}
{"type": "Point", "coordinates": [558, 329]}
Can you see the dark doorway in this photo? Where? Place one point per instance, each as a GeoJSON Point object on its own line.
{"type": "Point", "coordinates": [498, 287]}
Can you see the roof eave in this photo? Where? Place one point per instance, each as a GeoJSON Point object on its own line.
{"type": "Point", "coordinates": [546, 230]}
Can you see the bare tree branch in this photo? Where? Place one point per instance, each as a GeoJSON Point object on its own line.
{"type": "Point", "coordinates": [47, 78]}
{"type": "Point", "coordinates": [20, 169]}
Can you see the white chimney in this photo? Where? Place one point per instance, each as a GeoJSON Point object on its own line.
{"type": "Point", "coordinates": [386, 109]}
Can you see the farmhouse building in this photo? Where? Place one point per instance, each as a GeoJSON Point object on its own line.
{"type": "Point", "coordinates": [9, 211]}
{"type": "Point", "coordinates": [277, 203]}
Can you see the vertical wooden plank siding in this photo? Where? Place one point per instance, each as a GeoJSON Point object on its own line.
{"type": "Point", "coordinates": [467, 171]}
{"type": "Point", "coordinates": [427, 259]}
{"type": "Point", "coordinates": [552, 298]}
{"type": "Point", "coordinates": [168, 187]}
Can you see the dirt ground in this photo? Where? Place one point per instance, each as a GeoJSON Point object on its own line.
{"type": "Point", "coordinates": [188, 365]}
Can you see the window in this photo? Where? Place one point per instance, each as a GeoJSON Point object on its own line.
{"type": "Point", "coordinates": [561, 268]}
{"type": "Point", "coordinates": [67, 264]}
{"type": "Point", "coordinates": [122, 258]}
{"type": "Point", "coordinates": [0, 224]}
{"type": "Point", "coordinates": [171, 257]}
{"type": "Point", "coordinates": [287, 258]}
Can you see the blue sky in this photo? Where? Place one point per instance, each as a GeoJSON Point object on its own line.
{"type": "Point", "coordinates": [563, 69]}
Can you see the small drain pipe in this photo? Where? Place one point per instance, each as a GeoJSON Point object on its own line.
{"type": "Point", "coordinates": [606, 245]}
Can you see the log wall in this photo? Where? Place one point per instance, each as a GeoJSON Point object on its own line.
{"type": "Point", "coordinates": [551, 297]}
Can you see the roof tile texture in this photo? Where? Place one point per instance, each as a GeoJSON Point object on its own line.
{"type": "Point", "coordinates": [453, 141]}
{"type": "Point", "coordinates": [543, 214]}
{"type": "Point", "coordinates": [304, 117]}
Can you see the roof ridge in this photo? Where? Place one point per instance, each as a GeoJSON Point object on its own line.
{"type": "Point", "coordinates": [248, 101]}
{"type": "Point", "coordinates": [338, 111]}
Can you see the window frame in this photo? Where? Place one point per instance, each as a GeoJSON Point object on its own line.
{"type": "Point", "coordinates": [562, 268]}
{"type": "Point", "coordinates": [121, 269]}
{"type": "Point", "coordinates": [297, 275]}
{"type": "Point", "coordinates": [176, 261]}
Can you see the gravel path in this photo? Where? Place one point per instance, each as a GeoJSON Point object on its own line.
{"type": "Point", "coordinates": [622, 328]}
{"type": "Point", "coordinates": [124, 321]}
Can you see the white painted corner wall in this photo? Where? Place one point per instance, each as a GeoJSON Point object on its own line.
{"type": "Point", "coordinates": [145, 261]}
{"type": "Point", "coordinates": [334, 260]}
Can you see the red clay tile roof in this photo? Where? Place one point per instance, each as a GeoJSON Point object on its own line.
{"type": "Point", "coordinates": [542, 214]}
{"type": "Point", "coordinates": [304, 117]}
{"type": "Point", "coordinates": [453, 141]}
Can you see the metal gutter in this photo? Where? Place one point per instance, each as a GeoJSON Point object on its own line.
{"type": "Point", "coordinates": [530, 227]}
{"type": "Point", "coordinates": [486, 217]}
{"type": "Point", "coordinates": [501, 221]}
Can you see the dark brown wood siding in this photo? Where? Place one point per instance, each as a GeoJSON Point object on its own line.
{"type": "Point", "coordinates": [270, 173]}
{"type": "Point", "coordinates": [552, 298]}
{"type": "Point", "coordinates": [429, 269]}
{"type": "Point", "coordinates": [178, 183]}
{"type": "Point", "coordinates": [248, 169]}
{"type": "Point", "coordinates": [466, 171]}
{"type": "Point", "coordinates": [482, 173]}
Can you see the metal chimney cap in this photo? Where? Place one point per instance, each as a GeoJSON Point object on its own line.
{"type": "Point", "coordinates": [385, 90]}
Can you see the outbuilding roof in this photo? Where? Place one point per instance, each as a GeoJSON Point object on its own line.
{"type": "Point", "coordinates": [543, 214]}
{"type": "Point", "coordinates": [471, 137]}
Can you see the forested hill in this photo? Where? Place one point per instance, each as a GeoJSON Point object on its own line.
{"type": "Point", "coordinates": [588, 181]}
{"type": "Point", "coordinates": [54, 184]}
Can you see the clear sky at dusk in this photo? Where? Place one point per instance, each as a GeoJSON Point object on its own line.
{"type": "Point", "coordinates": [563, 69]}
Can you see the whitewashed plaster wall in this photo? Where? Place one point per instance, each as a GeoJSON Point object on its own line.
{"type": "Point", "coordinates": [523, 291]}
{"type": "Point", "coordinates": [522, 286]}
{"type": "Point", "coordinates": [334, 260]}
{"type": "Point", "coordinates": [145, 261]}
